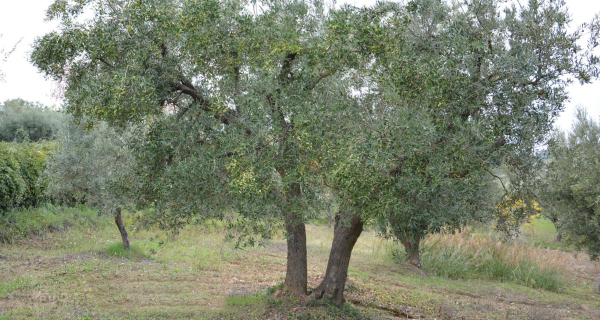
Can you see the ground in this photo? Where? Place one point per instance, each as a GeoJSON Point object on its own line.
{"type": "Point", "coordinates": [83, 274]}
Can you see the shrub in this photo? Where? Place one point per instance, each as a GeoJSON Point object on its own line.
{"type": "Point", "coordinates": [21, 167]}
{"type": "Point", "coordinates": [12, 185]}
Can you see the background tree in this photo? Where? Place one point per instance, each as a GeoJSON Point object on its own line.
{"type": "Point", "coordinates": [21, 120]}
{"type": "Point", "coordinates": [4, 54]}
{"type": "Point", "coordinates": [91, 167]}
{"type": "Point", "coordinates": [572, 188]}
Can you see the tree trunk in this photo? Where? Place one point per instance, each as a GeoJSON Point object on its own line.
{"type": "Point", "coordinates": [347, 229]}
{"type": "Point", "coordinates": [121, 226]}
{"type": "Point", "coordinates": [558, 233]}
{"type": "Point", "coordinates": [412, 251]}
{"type": "Point", "coordinates": [296, 275]}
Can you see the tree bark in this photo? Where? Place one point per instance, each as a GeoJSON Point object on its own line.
{"type": "Point", "coordinates": [121, 226]}
{"type": "Point", "coordinates": [558, 233]}
{"type": "Point", "coordinates": [412, 251]}
{"type": "Point", "coordinates": [296, 275]}
{"type": "Point", "coordinates": [347, 229]}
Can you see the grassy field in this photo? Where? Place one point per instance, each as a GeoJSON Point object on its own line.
{"type": "Point", "coordinates": [83, 273]}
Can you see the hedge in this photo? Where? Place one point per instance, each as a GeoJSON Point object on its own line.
{"type": "Point", "coordinates": [21, 167]}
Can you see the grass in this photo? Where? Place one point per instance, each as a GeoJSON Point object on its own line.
{"type": "Point", "coordinates": [22, 223]}
{"type": "Point", "coordinates": [84, 272]}
{"type": "Point", "coordinates": [118, 250]}
{"type": "Point", "coordinates": [467, 257]}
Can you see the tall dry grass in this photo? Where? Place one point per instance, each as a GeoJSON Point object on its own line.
{"type": "Point", "coordinates": [463, 256]}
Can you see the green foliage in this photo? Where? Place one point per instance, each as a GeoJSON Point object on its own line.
{"type": "Point", "coordinates": [21, 223]}
{"type": "Point", "coordinates": [21, 168]}
{"type": "Point", "coordinates": [450, 94]}
{"type": "Point", "coordinates": [21, 121]}
{"type": "Point", "coordinates": [571, 186]}
{"type": "Point", "coordinates": [89, 166]}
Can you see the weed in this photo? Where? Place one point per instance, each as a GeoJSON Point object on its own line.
{"type": "Point", "coordinates": [274, 288]}
{"type": "Point", "coordinates": [13, 285]}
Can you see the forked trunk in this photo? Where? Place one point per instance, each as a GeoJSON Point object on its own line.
{"type": "Point", "coordinates": [348, 227]}
{"type": "Point", "coordinates": [121, 226]}
{"type": "Point", "coordinates": [412, 251]}
{"type": "Point", "coordinates": [296, 273]}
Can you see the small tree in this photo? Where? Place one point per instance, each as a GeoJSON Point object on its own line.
{"type": "Point", "coordinates": [90, 166]}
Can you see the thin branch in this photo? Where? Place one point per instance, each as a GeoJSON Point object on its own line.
{"type": "Point", "coordinates": [106, 62]}
{"type": "Point", "coordinates": [175, 99]}
{"type": "Point", "coordinates": [497, 177]}
{"type": "Point", "coordinates": [316, 82]}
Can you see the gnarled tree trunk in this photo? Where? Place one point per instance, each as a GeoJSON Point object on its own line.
{"type": "Point", "coordinates": [121, 226]}
{"type": "Point", "coordinates": [296, 275]}
{"type": "Point", "coordinates": [412, 251]}
{"type": "Point", "coordinates": [348, 227]}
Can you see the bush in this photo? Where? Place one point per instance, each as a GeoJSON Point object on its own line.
{"type": "Point", "coordinates": [21, 167]}
{"type": "Point", "coordinates": [12, 185]}
{"type": "Point", "coordinates": [22, 121]}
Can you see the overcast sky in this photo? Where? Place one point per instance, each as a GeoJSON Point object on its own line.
{"type": "Point", "coordinates": [24, 20]}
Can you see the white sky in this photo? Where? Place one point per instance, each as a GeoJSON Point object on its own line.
{"type": "Point", "coordinates": [24, 19]}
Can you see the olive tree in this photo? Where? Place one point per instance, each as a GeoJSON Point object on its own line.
{"type": "Point", "coordinates": [251, 105]}
{"type": "Point", "coordinates": [455, 91]}
{"type": "Point", "coordinates": [572, 183]}
{"type": "Point", "coordinates": [228, 91]}
{"type": "Point", "coordinates": [90, 166]}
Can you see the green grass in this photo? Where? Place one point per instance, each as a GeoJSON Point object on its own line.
{"type": "Point", "coordinates": [22, 223]}
{"type": "Point", "coordinates": [13, 285]}
{"type": "Point", "coordinates": [118, 250]}
{"type": "Point", "coordinates": [543, 235]}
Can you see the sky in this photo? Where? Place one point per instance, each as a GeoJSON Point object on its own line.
{"type": "Point", "coordinates": [23, 20]}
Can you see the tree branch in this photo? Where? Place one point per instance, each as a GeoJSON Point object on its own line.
{"type": "Point", "coordinates": [495, 176]}
{"type": "Point", "coordinates": [316, 82]}
{"type": "Point", "coordinates": [106, 62]}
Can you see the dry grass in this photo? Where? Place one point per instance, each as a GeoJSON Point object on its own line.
{"type": "Point", "coordinates": [489, 247]}
{"type": "Point", "coordinates": [460, 256]}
